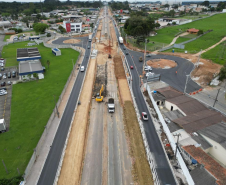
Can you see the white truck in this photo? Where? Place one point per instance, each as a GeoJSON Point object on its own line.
{"type": "Point", "coordinates": [120, 40]}
{"type": "Point", "coordinates": [2, 126]}
{"type": "Point", "coordinates": [111, 105]}
{"type": "Point", "coordinates": [90, 38]}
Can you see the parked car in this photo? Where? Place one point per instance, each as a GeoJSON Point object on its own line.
{"type": "Point", "coordinates": [2, 69]}
{"type": "Point", "coordinates": [1, 65]}
{"type": "Point", "coordinates": [13, 74]}
{"type": "Point", "coordinates": [144, 116]}
{"type": "Point", "coordinates": [149, 74]}
{"type": "Point", "coordinates": [9, 82]}
{"type": "Point", "coordinates": [2, 60]}
{"type": "Point", "coordinates": [147, 68]}
{"type": "Point", "coordinates": [24, 35]}
{"type": "Point", "coordinates": [3, 84]}
{"type": "Point", "coordinates": [88, 47]}
{"type": "Point", "coordinates": [3, 92]}
{"type": "Point", "coordinates": [9, 75]}
{"type": "Point", "coordinates": [4, 76]}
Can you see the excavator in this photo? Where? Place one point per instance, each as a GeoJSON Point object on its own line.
{"type": "Point", "coordinates": [99, 98]}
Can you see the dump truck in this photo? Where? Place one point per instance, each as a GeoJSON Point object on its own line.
{"type": "Point", "coordinates": [2, 126]}
{"type": "Point", "coordinates": [140, 59]}
{"type": "Point", "coordinates": [120, 40]}
{"type": "Point", "coordinates": [111, 105]}
{"type": "Point", "coordinates": [90, 38]}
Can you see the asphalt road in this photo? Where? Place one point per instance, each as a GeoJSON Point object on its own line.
{"type": "Point", "coordinates": [162, 167]}
{"type": "Point", "coordinates": [51, 165]}
{"type": "Point", "coordinates": [83, 42]}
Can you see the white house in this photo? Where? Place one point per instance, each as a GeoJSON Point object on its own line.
{"type": "Point", "coordinates": [72, 26]}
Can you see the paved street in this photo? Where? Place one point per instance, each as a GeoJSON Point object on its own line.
{"type": "Point", "coordinates": [163, 169]}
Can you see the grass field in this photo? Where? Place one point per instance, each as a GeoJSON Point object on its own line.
{"type": "Point", "coordinates": [6, 37]}
{"type": "Point", "coordinates": [193, 17]}
{"type": "Point", "coordinates": [32, 105]}
{"type": "Point", "coordinates": [217, 54]}
{"type": "Point", "coordinates": [216, 23]}
{"type": "Point", "coordinates": [181, 39]}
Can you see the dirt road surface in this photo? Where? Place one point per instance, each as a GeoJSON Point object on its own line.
{"type": "Point", "coordinates": [161, 63]}
{"type": "Point", "coordinates": [72, 164]}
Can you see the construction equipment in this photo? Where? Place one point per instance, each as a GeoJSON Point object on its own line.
{"type": "Point", "coordinates": [140, 59]}
{"type": "Point", "coordinates": [109, 56]}
{"type": "Point", "coordinates": [99, 97]}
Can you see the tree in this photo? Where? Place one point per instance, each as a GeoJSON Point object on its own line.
{"type": "Point", "coordinates": [172, 13]}
{"type": "Point", "coordinates": [200, 32]}
{"type": "Point", "coordinates": [222, 74]}
{"type": "Point", "coordinates": [206, 3]}
{"type": "Point", "coordinates": [40, 27]}
{"type": "Point", "coordinates": [48, 63]}
{"type": "Point", "coordinates": [38, 16]}
{"type": "Point", "coordinates": [62, 29]}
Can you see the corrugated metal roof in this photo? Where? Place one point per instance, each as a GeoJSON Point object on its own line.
{"type": "Point", "coordinates": [216, 132]}
{"type": "Point", "coordinates": [169, 92]}
{"type": "Point", "coordinates": [26, 53]}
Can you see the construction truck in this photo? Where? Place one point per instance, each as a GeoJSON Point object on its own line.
{"type": "Point", "coordinates": [140, 59]}
{"type": "Point", "coordinates": [120, 40]}
{"type": "Point", "coordinates": [111, 105]}
{"type": "Point", "coordinates": [2, 126]}
{"type": "Point", "coordinates": [99, 97]}
{"type": "Point", "coordinates": [90, 38]}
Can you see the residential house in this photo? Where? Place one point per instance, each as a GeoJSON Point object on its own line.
{"type": "Point", "coordinates": [193, 31]}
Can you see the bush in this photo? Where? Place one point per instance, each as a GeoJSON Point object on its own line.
{"type": "Point", "coordinates": [13, 181]}
{"type": "Point", "coordinates": [48, 35]}
{"type": "Point", "coordinates": [200, 32]}
{"type": "Point", "coordinates": [222, 74]}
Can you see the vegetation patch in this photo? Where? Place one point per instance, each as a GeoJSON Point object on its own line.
{"type": "Point", "coordinates": [32, 104]}
{"type": "Point", "coordinates": [7, 37]}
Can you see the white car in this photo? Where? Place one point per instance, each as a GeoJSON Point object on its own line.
{"type": "Point", "coordinates": [144, 116]}
{"type": "Point", "coordinates": [2, 60]}
{"type": "Point", "coordinates": [3, 92]}
{"type": "Point", "coordinates": [1, 65]}
{"type": "Point", "coordinates": [149, 74]}
{"type": "Point", "coordinates": [4, 77]}
{"type": "Point", "coordinates": [82, 68]}
{"type": "Point", "coordinates": [147, 68]}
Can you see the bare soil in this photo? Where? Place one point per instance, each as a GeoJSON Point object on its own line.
{"type": "Point", "coordinates": [83, 35]}
{"type": "Point", "coordinates": [141, 169]}
{"type": "Point", "coordinates": [161, 63]}
{"type": "Point", "coordinates": [71, 41]}
{"type": "Point", "coordinates": [124, 90]}
{"type": "Point", "coordinates": [73, 158]}
{"type": "Point", "coordinates": [205, 71]}
{"type": "Point", "coordinates": [119, 69]}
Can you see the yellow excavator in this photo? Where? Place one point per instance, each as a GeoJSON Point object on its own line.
{"type": "Point", "coordinates": [99, 98]}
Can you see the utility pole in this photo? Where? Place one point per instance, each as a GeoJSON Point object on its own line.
{"type": "Point", "coordinates": [144, 54]}
{"type": "Point", "coordinates": [186, 84]}
{"type": "Point", "coordinates": [176, 135]}
{"type": "Point", "coordinates": [216, 97]}
{"type": "Point", "coordinates": [73, 67]}
{"type": "Point", "coordinates": [126, 39]}
{"type": "Point", "coordinates": [56, 107]}
{"type": "Point", "coordinates": [41, 7]}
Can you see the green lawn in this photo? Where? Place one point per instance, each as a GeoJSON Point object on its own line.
{"type": "Point", "coordinates": [7, 37]}
{"type": "Point", "coordinates": [216, 23]}
{"type": "Point", "coordinates": [32, 105]}
{"type": "Point", "coordinates": [193, 17]}
{"type": "Point", "coordinates": [217, 54]}
{"type": "Point", "coordinates": [181, 39]}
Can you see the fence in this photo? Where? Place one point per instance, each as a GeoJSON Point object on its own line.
{"type": "Point", "coordinates": [39, 146]}
{"type": "Point", "coordinates": [171, 141]}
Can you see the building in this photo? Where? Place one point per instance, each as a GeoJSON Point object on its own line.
{"type": "Point", "coordinates": [193, 31]}
{"type": "Point", "coordinates": [29, 59]}
{"type": "Point", "coordinates": [5, 24]}
{"type": "Point", "coordinates": [72, 26]}
{"type": "Point", "coordinates": [197, 124]}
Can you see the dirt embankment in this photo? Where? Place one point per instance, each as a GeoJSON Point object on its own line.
{"type": "Point", "coordinates": [204, 73]}
{"type": "Point", "coordinates": [161, 63]}
{"type": "Point", "coordinates": [119, 70]}
{"type": "Point", "coordinates": [71, 41]}
{"type": "Point", "coordinates": [141, 170]}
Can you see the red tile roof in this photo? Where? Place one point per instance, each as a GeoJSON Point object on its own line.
{"type": "Point", "coordinates": [210, 164]}
{"type": "Point", "coordinates": [193, 30]}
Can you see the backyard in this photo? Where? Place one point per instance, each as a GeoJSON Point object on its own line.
{"type": "Point", "coordinates": [214, 23]}
{"type": "Point", "coordinates": [32, 105]}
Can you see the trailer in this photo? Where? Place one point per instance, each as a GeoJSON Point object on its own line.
{"type": "Point", "coordinates": [34, 37]}
{"type": "Point", "coordinates": [56, 51]}
{"type": "Point", "coordinates": [120, 40]}
{"type": "Point", "coordinates": [2, 126]}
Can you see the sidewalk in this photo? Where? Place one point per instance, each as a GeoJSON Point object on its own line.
{"type": "Point", "coordinates": [40, 161]}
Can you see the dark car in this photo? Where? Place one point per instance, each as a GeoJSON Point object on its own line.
{"type": "Point", "coordinates": [13, 74]}
{"type": "Point", "coordinates": [88, 47]}
{"type": "Point", "coordinates": [127, 53]}
{"type": "Point", "coordinates": [2, 69]}
{"type": "Point", "coordinates": [9, 75]}
{"type": "Point", "coordinates": [3, 88]}
{"type": "Point", "coordinates": [3, 84]}
{"type": "Point", "coordinates": [124, 48]}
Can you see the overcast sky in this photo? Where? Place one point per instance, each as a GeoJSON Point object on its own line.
{"type": "Point", "coordinates": [96, 0]}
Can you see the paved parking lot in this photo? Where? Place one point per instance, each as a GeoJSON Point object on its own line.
{"type": "Point", "coordinates": [5, 100]}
